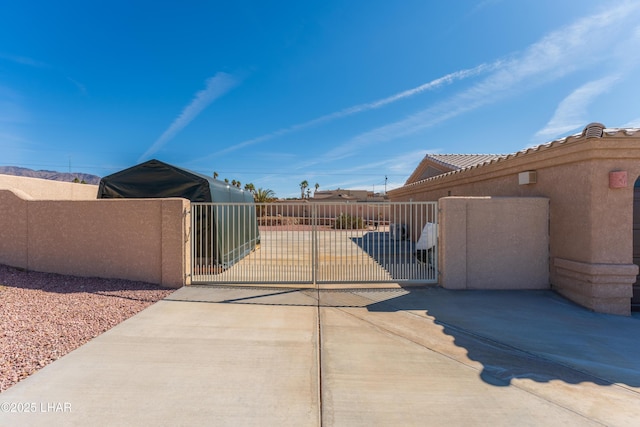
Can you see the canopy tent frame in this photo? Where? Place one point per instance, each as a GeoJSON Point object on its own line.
{"type": "Point", "coordinates": [156, 179]}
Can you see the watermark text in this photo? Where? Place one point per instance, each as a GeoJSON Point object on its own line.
{"type": "Point", "coordinates": [34, 407]}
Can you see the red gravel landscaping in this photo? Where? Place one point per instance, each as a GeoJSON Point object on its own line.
{"type": "Point", "coordinates": [45, 316]}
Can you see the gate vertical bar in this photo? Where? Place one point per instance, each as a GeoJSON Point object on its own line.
{"type": "Point", "coordinates": [314, 244]}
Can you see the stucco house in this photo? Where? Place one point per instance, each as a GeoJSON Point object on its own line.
{"type": "Point", "coordinates": [591, 180]}
{"type": "Point", "coordinates": [343, 195]}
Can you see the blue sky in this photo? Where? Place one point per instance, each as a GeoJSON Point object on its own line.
{"type": "Point", "coordinates": [339, 93]}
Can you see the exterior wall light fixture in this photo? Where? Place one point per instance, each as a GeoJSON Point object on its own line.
{"type": "Point", "coordinates": [527, 177]}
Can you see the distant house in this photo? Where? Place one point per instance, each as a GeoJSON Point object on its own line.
{"type": "Point", "coordinates": [592, 182]}
{"type": "Point", "coordinates": [342, 195]}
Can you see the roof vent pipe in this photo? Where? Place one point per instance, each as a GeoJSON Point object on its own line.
{"type": "Point", "coordinates": [593, 130]}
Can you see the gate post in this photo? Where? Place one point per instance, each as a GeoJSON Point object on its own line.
{"type": "Point", "coordinates": [314, 243]}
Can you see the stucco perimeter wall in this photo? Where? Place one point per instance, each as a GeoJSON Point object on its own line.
{"type": "Point", "coordinates": [494, 243]}
{"type": "Point", "coordinates": [44, 189]}
{"type": "Point", "coordinates": [122, 238]}
{"type": "Point", "coordinates": [590, 222]}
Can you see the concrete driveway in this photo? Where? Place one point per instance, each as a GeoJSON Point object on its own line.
{"type": "Point", "coordinates": [414, 356]}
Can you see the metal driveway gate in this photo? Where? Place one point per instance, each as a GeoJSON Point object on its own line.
{"type": "Point", "coordinates": [314, 243]}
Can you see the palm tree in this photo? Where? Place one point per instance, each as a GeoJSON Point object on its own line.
{"type": "Point", "coordinates": [261, 197]}
{"type": "Point", "coordinates": [317, 186]}
{"type": "Point", "coordinates": [250, 187]}
{"type": "Point", "coordinates": [303, 186]}
{"type": "Point", "coordinates": [215, 175]}
{"type": "Point", "coordinates": [264, 195]}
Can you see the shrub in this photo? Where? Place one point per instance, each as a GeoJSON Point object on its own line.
{"type": "Point", "coordinates": [348, 222]}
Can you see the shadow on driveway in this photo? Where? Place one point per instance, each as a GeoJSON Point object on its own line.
{"type": "Point", "coordinates": [530, 334]}
{"type": "Point", "coordinates": [537, 335]}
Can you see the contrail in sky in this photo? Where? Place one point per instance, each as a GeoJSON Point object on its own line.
{"type": "Point", "coordinates": [584, 44]}
{"type": "Point", "coordinates": [217, 86]}
{"type": "Point", "coordinates": [448, 79]}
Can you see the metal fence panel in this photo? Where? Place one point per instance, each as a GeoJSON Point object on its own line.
{"type": "Point", "coordinates": [314, 243]}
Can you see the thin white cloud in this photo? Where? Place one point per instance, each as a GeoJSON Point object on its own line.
{"type": "Point", "coordinates": [589, 41]}
{"type": "Point", "coordinates": [7, 136]}
{"type": "Point", "coordinates": [401, 165]}
{"type": "Point", "coordinates": [30, 62]}
{"type": "Point", "coordinates": [572, 113]}
{"type": "Point", "coordinates": [216, 86]}
{"type": "Point", "coordinates": [11, 107]}
{"type": "Point", "coordinates": [12, 112]}
{"type": "Point", "coordinates": [404, 163]}
{"type": "Point", "coordinates": [353, 184]}
{"type": "Point", "coordinates": [632, 124]}
{"type": "Point", "coordinates": [483, 4]}
{"type": "Point", "coordinates": [447, 79]}
{"type": "Point", "coordinates": [16, 148]}
{"type": "Point", "coordinates": [359, 176]}
{"type": "Point", "coordinates": [23, 60]}
{"type": "Point", "coordinates": [81, 87]}
{"type": "Point", "coordinates": [463, 20]}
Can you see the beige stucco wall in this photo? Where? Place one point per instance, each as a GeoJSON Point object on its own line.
{"type": "Point", "coordinates": [13, 228]}
{"type": "Point", "coordinates": [123, 238]}
{"type": "Point", "coordinates": [44, 189]}
{"type": "Point", "coordinates": [590, 224]}
{"type": "Point", "coordinates": [494, 243]}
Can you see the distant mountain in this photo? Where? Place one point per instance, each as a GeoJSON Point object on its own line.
{"type": "Point", "coordinates": [52, 175]}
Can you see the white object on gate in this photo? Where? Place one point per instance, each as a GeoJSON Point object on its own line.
{"type": "Point", "coordinates": [428, 237]}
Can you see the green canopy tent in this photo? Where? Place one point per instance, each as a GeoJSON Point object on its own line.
{"type": "Point", "coordinates": [223, 235]}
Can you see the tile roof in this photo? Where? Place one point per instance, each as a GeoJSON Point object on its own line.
{"type": "Point", "coordinates": [448, 162]}
{"type": "Point", "coordinates": [593, 130]}
{"type": "Point", "coordinates": [461, 161]}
